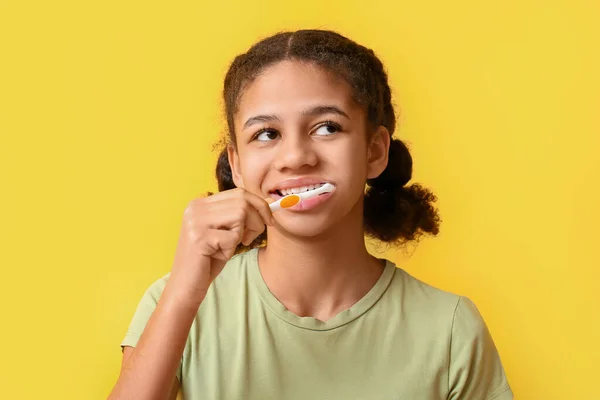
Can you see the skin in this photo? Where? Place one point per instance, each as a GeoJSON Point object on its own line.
{"type": "Point", "coordinates": [316, 262]}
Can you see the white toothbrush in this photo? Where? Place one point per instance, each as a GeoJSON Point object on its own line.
{"type": "Point", "coordinates": [293, 199]}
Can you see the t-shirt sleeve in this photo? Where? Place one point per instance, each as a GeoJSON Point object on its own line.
{"type": "Point", "coordinates": [145, 308]}
{"type": "Point", "coordinates": [475, 370]}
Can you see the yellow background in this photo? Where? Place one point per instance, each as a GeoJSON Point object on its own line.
{"type": "Point", "coordinates": [108, 111]}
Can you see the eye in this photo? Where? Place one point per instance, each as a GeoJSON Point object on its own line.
{"type": "Point", "coordinates": [328, 128]}
{"type": "Point", "coordinates": [266, 135]}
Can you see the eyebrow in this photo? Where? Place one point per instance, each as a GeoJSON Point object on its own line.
{"type": "Point", "coordinates": [260, 118]}
{"type": "Point", "coordinates": [320, 110]}
{"type": "Point", "coordinates": [311, 112]}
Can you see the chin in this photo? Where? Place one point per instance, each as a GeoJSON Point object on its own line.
{"type": "Point", "coordinates": [304, 232]}
{"type": "Point", "coordinates": [307, 225]}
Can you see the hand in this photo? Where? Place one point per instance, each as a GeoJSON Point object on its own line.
{"type": "Point", "coordinates": [212, 228]}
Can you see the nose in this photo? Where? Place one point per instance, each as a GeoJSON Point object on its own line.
{"type": "Point", "coordinates": [294, 152]}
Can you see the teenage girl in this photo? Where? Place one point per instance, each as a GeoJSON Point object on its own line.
{"type": "Point", "coordinates": [290, 304]}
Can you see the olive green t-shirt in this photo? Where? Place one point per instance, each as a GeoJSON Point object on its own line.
{"type": "Point", "coordinates": [403, 340]}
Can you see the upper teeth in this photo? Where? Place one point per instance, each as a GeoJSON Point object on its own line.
{"type": "Point", "coordinates": [300, 189]}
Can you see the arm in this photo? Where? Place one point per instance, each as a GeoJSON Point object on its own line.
{"type": "Point", "coordinates": [149, 370]}
{"type": "Point", "coordinates": [128, 351]}
{"type": "Point", "coordinates": [211, 230]}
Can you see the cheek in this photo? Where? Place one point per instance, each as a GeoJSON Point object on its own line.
{"type": "Point", "coordinates": [253, 169]}
{"type": "Point", "coordinates": [349, 169]}
{"type": "Point", "coordinates": [353, 159]}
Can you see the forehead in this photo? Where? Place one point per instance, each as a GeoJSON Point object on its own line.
{"type": "Point", "coordinates": [288, 87]}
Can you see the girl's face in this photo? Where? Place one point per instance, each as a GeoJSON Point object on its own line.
{"type": "Point", "coordinates": [297, 125]}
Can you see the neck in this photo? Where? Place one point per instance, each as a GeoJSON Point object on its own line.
{"type": "Point", "coordinates": [320, 276]}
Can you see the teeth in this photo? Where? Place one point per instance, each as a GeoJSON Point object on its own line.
{"type": "Point", "coordinates": [300, 189]}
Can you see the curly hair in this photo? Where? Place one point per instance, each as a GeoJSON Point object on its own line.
{"type": "Point", "coordinates": [394, 212]}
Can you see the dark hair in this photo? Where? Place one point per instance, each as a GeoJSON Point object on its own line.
{"type": "Point", "coordinates": [393, 212]}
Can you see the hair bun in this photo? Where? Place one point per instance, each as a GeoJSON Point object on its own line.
{"type": "Point", "coordinates": [398, 171]}
{"type": "Point", "coordinates": [223, 172]}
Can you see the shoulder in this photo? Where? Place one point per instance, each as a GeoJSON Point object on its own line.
{"type": "Point", "coordinates": [454, 324]}
{"type": "Point", "coordinates": [467, 318]}
{"type": "Point", "coordinates": [234, 269]}
{"type": "Point", "coordinates": [237, 266]}
{"type": "Point", "coordinates": [235, 273]}
{"type": "Point", "coordinates": [422, 298]}
{"type": "Point", "coordinates": [456, 314]}
{"type": "Point", "coordinates": [475, 369]}
{"type": "Point", "coordinates": [435, 312]}
{"type": "Point", "coordinates": [154, 291]}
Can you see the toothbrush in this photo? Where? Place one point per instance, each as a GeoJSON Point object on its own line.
{"type": "Point", "coordinates": [293, 199]}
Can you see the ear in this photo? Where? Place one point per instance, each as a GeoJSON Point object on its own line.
{"type": "Point", "coordinates": [378, 152]}
{"type": "Point", "coordinates": [234, 163]}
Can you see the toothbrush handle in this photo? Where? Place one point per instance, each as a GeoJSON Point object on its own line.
{"type": "Point", "coordinates": [275, 206]}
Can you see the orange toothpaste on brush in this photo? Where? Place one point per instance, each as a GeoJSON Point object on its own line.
{"type": "Point", "coordinates": [294, 199]}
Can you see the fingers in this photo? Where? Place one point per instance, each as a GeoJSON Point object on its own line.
{"type": "Point", "coordinates": [262, 207]}
{"type": "Point", "coordinates": [222, 243]}
{"type": "Point", "coordinates": [250, 235]}
{"type": "Point", "coordinates": [259, 204]}
{"type": "Point", "coordinates": [220, 222]}
{"type": "Point", "coordinates": [238, 215]}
